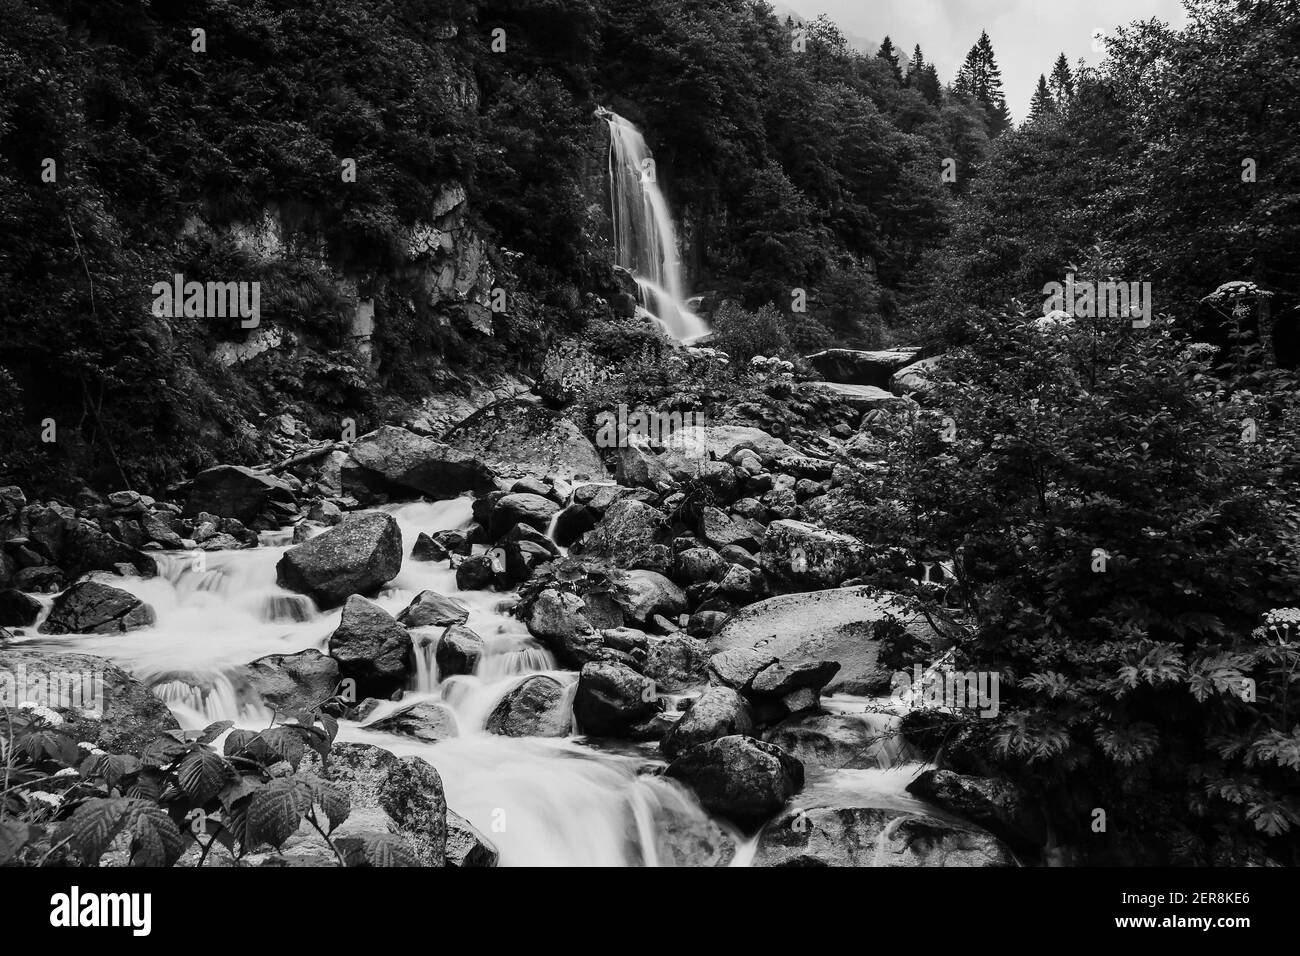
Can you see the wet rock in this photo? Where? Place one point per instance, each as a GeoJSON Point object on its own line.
{"type": "Point", "coordinates": [683, 839]}
{"type": "Point", "coordinates": [521, 437]}
{"type": "Point", "coordinates": [532, 510]}
{"type": "Point", "coordinates": [853, 367]}
{"type": "Point", "coordinates": [157, 528]}
{"type": "Point", "coordinates": [718, 712]}
{"type": "Point", "coordinates": [998, 806]}
{"type": "Point", "coordinates": [42, 579]}
{"type": "Point", "coordinates": [291, 683]}
{"type": "Point", "coordinates": [357, 556]}
{"type": "Point", "coordinates": [638, 466]}
{"type": "Point", "coordinates": [467, 846]}
{"type": "Point", "coordinates": [18, 609]}
{"type": "Point", "coordinates": [534, 708]}
{"type": "Point", "coordinates": [427, 549]}
{"type": "Point", "coordinates": [720, 530]}
{"type": "Point", "coordinates": [94, 608]}
{"type": "Point", "coordinates": [233, 491]}
{"type": "Point", "coordinates": [371, 648]}
{"type": "Point", "coordinates": [573, 522]}
{"type": "Point", "coordinates": [835, 741]}
{"type": "Point", "coordinates": [875, 836]}
{"type": "Point", "coordinates": [459, 651]}
{"type": "Point", "coordinates": [428, 721]}
{"type": "Point", "coordinates": [700, 564]}
{"type": "Point", "coordinates": [643, 594]}
{"type": "Point", "coordinates": [611, 698]}
{"type": "Point", "coordinates": [558, 620]}
{"type": "Point", "coordinates": [431, 609]}
{"type": "Point", "coordinates": [738, 777]}
{"type": "Point", "coordinates": [415, 463]}
{"type": "Point", "coordinates": [723, 441]}
{"type": "Point", "coordinates": [603, 610]}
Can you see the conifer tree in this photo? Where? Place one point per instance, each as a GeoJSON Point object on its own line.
{"type": "Point", "coordinates": [1062, 82]}
{"type": "Point", "coordinates": [1043, 104]}
{"type": "Point", "coordinates": [921, 76]}
{"type": "Point", "coordinates": [890, 56]}
{"type": "Point", "coordinates": [980, 79]}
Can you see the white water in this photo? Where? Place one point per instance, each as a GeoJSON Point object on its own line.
{"type": "Point", "coordinates": [645, 242]}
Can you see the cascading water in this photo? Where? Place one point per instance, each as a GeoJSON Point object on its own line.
{"type": "Point", "coordinates": [645, 242]}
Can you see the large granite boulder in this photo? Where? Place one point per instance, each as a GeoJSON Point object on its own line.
{"type": "Point", "coordinates": [357, 556]}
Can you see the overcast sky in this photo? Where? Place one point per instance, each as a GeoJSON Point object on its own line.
{"type": "Point", "coordinates": [1027, 34]}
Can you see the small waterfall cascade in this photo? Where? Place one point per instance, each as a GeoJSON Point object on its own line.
{"type": "Point", "coordinates": [645, 242]}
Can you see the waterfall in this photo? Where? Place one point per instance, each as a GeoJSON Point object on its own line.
{"type": "Point", "coordinates": [645, 242]}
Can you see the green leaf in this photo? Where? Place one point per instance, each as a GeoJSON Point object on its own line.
{"type": "Point", "coordinates": [92, 826]}
{"type": "Point", "coordinates": [276, 811]}
{"type": "Point", "coordinates": [213, 731]}
{"type": "Point", "coordinates": [155, 839]}
{"type": "Point", "coordinates": [202, 774]}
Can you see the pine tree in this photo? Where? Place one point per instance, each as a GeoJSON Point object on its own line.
{"type": "Point", "coordinates": [921, 76]}
{"type": "Point", "coordinates": [914, 67]}
{"type": "Point", "coordinates": [981, 79]}
{"type": "Point", "coordinates": [890, 56]}
{"type": "Point", "coordinates": [1062, 82]}
{"type": "Point", "coordinates": [1043, 104]}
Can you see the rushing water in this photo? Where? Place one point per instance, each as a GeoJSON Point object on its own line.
{"type": "Point", "coordinates": [645, 242]}
{"type": "Point", "coordinates": [541, 801]}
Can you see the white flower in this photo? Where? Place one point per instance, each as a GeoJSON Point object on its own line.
{"type": "Point", "coordinates": [43, 712]}
{"type": "Point", "coordinates": [67, 772]}
{"type": "Point", "coordinates": [53, 799]}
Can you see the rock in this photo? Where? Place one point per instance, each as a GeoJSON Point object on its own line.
{"type": "Point", "coordinates": [863, 398]}
{"type": "Point", "coordinates": [643, 594]}
{"type": "Point", "coordinates": [637, 466]}
{"type": "Point", "coordinates": [803, 557]}
{"type": "Point", "coordinates": [718, 712]}
{"type": "Point", "coordinates": [467, 846]}
{"type": "Point", "coordinates": [427, 549]}
{"type": "Point", "coordinates": [598, 496]}
{"type": "Point", "coordinates": [520, 437]}
{"type": "Point", "coordinates": [831, 625]}
{"type": "Point", "coordinates": [573, 522]}
{"type": "Point", "coordinates": [676, 662]}
{"type": "Point", "coordinates": [853, 367]}
{"type": "Point", "coordinates": [722, 441]}
{"type": "Point", "coordinates": [740, 584]}
{"type": "Point", "coordinates": [294, 682]}
{"type": "Point", "coordinates": [408, 789]}
{"type": "Point", "coordinates": [738, 777]}
{"type": "Point", "coordinates": [358, 556]}
{"type": "Point", "coordinates": [157, 528]}
{"type": "Point", "coordinates": [558, 620]}
{"type": "Point", "coordinates": [86, 548]}
{"type": "Point", "coordinates": [914, 379]}
{"type": "Point", "coordinates": [431, 609]}
{"type": "Point", "coordinates": [611, 698]}
{"type": "Point", "coordinates": [99, 702]}
{"type": "Point", "coordinates": [631, 534]}
{"type": "Point", "coordinates": [738, 666]}
{"type": "Point", "coordinates": [691, 839]}
{"type": "Point", "coordinates": [719, 529]}
{"type": "Point", "coordinates": [532, 510]}
{"type": "Point", "coordinates": [874, 836]}
{"type": "Point", "coordinates": [42, 579]}
{"type": "Point", "coordinates": [719, 476]}
{"type": "Point", "coordinates": [780, 679]}
{"type": "Point", "coordinates": [371, 648]}
{"type": "Point", "coordinates": [459, 652]}
{"type": "Point", "coordinates": [325, 512]}
{"type": "Point", "coordinates": [426, 720]}
{"type": "Point", "coordinates": [836, 741]}
{"type": "Point", "coordinates": [94, 608]}
{"type": "Point", "coordinates": [700, 564]}
{"type": "Point", "coordinates": [18, 609]}
{"type": "Point", "coordinates": [533, 708]}
{"type": "Point", "coordinates": [233, 491]}
{"type": "Point", "coordinates": [415, 463]}
{"type": "Point", "coordinates": [998, 806]}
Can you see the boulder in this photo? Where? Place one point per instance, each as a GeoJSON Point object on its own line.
{"type": "Point", "coordinates": [536, 707]}
{"type": "Point", "coordinates": [99, 702]}
{"type": "Point", "coordinates": [425, 720]}
{"type": "Point", "coordinates": [431, 609]}
{"type": "Point", "coordinates": [357, 556]}
{"type": "Point", "coordinates": [643, 594]}
{"type": "Point", "coordinates": [521, 437]}
{"type": "Point", "coordinates": [863, 398]}
{"type": "Point", "coordinates": [998, 806]}
{"type": "Point", "coordinates": [94, 608]}
{"type": "Point", "coordinates": [573, 522]}
{"type": "Point", "coordinates": [637, 466]}
{"type": "Point", "coordinates": [700, 564]}
{"type": "Point", "coordinates": [371, 648]}
{"type": "Point", "coordinates": [290, 683]}
{"type": "Point", "coordinates": [521, 508]}
{"type": "Point", "coordinates": [837, 624]}
{"type": "Point", "coordinates": [676, 662]}
{"type": "Point", "coordinates": [631, 534]}
{"type": "Point", "coordinates": [803, 557]}
{"type": "Point", "coordinates": [836, 741]}
{"type": "Point", "coordinates": [233, 491]}
{"type": "Point", "coordinates": [559, 621]}
{"type": "Point", "coordinates": [738, 777]}
{"type": "Point", "coordinates": [718, 712]}
{"type": "Point", "coordinates": [914, 379]}
{"type": "Point", "coordinates": [722, 441]}
{"type": "Point", "coordinates": [467, 846]}
{"type": "Point", "coordinates": [875, 836]}
{"type": "Point", "coordinates": [854, 367]}
{"type": "Point", "coordinates": [407, 789]}
{"type": "Point", "coordinates": [18, 609]}
{"type": "Point", "coordinates": [459, 652]}
{"type": "Point", "coordinates": [612, 698]}
{"type": "Point", "coordinates": [415, 463]}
